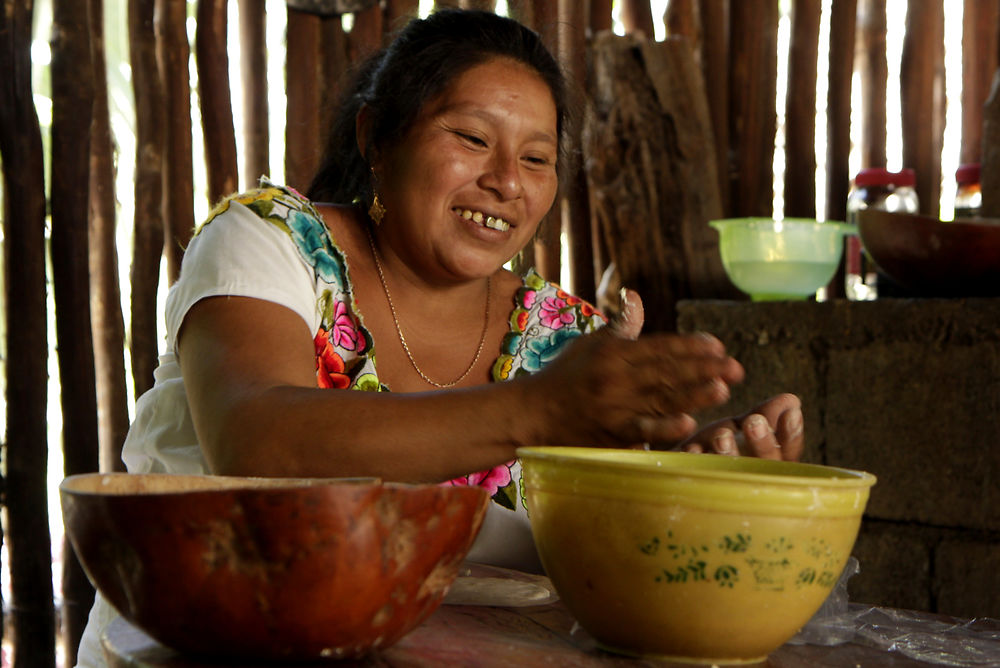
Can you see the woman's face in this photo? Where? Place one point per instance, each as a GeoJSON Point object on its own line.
{"type": "Point", "coordinates": [466, 188]}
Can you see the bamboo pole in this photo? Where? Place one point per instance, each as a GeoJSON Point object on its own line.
{"type": "Point", "coordinates": [173, 54]}
{"type": "Point", "coordinates": [214, 100]}
{"type": "Point", "coordinates": [800, 110]}
{"type": "Point", "coordinates": [253, 67]}
{"type": "Point", "coordinates": [32, 613]}
{"type": "Point", "coordinates": [108, 324]}
{"type": "Point", "coordinates": [147, 239]}
{"type": "Point", "coordinates": [303, 99]}
{"type": "Point", "coordinates": [980, 25]}
{"type": "Point", "coordinates": [753, 63]}
{"type": "Point", "coordinates": [873, 70]}
{"type": "Point", "coordinates": [922, 98]}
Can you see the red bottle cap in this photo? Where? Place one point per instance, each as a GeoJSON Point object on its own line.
{"type": "Point", "coordinates": [967, 173]}
{"type": "Point", "coordinates": [880, 176]}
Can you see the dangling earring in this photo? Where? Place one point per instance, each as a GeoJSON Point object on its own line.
{"type": "Point", "coordinates": [376, 211]}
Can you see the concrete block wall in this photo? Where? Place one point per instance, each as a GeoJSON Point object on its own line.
{"type": "Point", "coordinates": [908, 390]}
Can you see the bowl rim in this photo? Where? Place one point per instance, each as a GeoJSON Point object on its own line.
{"type": "Point", "coordinates": [764, 222]}
{"type": "Point", "coordinates": [832, 476]}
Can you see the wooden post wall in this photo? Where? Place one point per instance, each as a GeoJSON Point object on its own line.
{"type": "Point", "coordinates": [253, 51]}
{"type": "Point", "coordinates": [873, 71]}
{"type": "Point", "coordinates": [147, 240]}
{"type": "Point", "coordinates": [980, 53]}
{"type": "Point", "coordinates": [212, 58]}
{"type": "Point", "coordinates": [753, 63]}
{"type": "Point", "coordinates": [32, 613]}
{"type": "Point", "coordinates": [173, 54]}
{"type": "Point", "coordinates": [800, 110]}
{"type": "Point", "coordinates": [107, 320]}
{"type": "Point", "coordinates": [72, 112]}
{"type": "Point", "coordinates": [922, 98]}
{"type": "Point", "coordinates": [303, 99]}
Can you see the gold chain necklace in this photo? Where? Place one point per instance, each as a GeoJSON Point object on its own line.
{"type": "Point", "coordinates": [399, 332]}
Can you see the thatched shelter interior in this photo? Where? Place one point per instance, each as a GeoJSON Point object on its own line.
{"type": "Point", "coordinates": [674, 131]}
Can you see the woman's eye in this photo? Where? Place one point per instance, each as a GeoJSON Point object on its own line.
{"type": "Point", "coordinates": [472, 139]}
{"type": "Point", "coordinates": [537, 160]}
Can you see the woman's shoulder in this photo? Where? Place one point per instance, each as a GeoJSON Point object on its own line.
{"type": "Point", "coordinates": [544, 319]}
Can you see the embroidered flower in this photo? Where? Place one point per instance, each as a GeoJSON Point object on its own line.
{"type": "Point", "coordinates": [540, 351]}
{"type": "Point", "coordinates": [555, 313]}
{"type": "Point", "coordinates": [309, 234]}
{"type": "Point", "coordinates": [330, 366]}
{"type": "Point", "coordinates": [492, 480]}
{"type": "Point", "coordinates": [528, 298]}
{"type": "Point", "coordinates": [344, 332]}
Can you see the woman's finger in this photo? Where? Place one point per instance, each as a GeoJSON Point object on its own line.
{"type": "Point", "coordinates": [761, 439]}
{"type": "Point", "coordinates": [790, 434]}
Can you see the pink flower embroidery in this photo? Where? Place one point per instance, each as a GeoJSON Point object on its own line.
{"type": "Point", "coordinates": [529, 298]}
{"type": "Point", "coordinates": [343, 333]}
{"type": "Point", "coordinates": [492, 480]}
{"type": "Point", "coordinates": [555, 313]}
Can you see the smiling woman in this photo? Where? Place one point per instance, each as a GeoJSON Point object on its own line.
{"type": "Point", "coordinates": [442, 161]}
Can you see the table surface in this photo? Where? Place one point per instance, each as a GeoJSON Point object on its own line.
{"type": "Point", "coordinates": [470, 635]}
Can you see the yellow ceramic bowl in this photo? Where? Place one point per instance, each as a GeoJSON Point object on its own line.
{"type": "Point", "coordinates": [690, 557]}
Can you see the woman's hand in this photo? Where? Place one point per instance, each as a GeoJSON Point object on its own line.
{"type": "Point", "coordinates": [772, 430]}
{"type": "Point", "coordinates": [615, 389]}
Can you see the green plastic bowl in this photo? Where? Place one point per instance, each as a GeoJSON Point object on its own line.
{"type": "Point", "coordinates": [786, 259]}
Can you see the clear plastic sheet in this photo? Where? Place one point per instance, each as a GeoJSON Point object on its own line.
{"type": "Point", "coordinates": [935, 639]}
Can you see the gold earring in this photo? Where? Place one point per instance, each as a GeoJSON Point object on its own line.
{"type": "Point", "coordinates": [376, 211]}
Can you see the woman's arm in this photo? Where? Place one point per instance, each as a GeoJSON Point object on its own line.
{"type": "Point", "coordinates": [249, 371]}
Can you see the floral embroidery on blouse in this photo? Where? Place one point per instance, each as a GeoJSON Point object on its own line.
{"type": "Point", "coordinates": [543, 321]}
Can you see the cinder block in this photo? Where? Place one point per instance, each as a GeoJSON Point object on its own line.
{"type": "Point", "coordinates": [895, 568]}
{"type": "Point", "coordinates": [967, 578]}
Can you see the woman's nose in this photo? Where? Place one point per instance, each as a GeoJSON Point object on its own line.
{"type": "Point", "coordinates": [503, 176]}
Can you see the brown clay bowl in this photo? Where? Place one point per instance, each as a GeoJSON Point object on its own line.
{"type": "Point", "coordinates": [270, 569]}
{"type": "Point", "coordinates": [934, 258]}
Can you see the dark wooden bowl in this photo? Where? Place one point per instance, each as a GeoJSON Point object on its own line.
{"type": "Point", "coordinates": [934, 258]}
{"type": "Point", "coordinates": [270, 569]}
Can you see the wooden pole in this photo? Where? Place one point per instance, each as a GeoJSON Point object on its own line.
{"type": "Point", "coordinates": [838, 109]}
{"type": "Point", "coordinates": [600, 16]}
{"type": "Point", "coordinates": [548, 242]}
{"type": "Point", "coordinates": [980, 25]}
{"type": "Point", "coordinates": [576, 208]}
{"type": "Point", "coordinates": [253, 68]}
{"type": "Point", "coordinates": [214, 99]}
{"type": "Point", "coordinates": [800, 110]}
{"type": "Point", "coordinates": [922, 98]}
{"type": "Point", "coordinates": [302, 131]}
{"type": "Point", "coordinates": [715, 69]}
{"type": "Point", "coordinates": [753, 63]}
{"type": "Point", "coordinates": [873, 69]}
{"type": "Point", "coordinates": [683, 19]}
{"type": "Point", "coordinates": [147, 239]}
{"type": "Point", "coordinates": [637, 17]}
{"type": "Point", "coordinates": [173, 54]}
{"type": "Point", "coordinates": [108, 324]}
{"type": "Point", "coordinates": [32, 613]}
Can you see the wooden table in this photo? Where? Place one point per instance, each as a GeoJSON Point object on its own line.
{"type": "Point", "coordinates": [481, 636]}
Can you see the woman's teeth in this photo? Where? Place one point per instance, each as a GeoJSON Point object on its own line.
{"type": "Point", "coordinates": [489, 221]}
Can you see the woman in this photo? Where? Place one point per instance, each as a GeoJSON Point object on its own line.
{"type": "Point", "coordinates": [442, 162]}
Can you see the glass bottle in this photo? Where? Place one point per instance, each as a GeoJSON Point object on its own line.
{"type": "Point", "coordinates": [968, 195]}
{"type": "Point", "coordinates": [878, 188]}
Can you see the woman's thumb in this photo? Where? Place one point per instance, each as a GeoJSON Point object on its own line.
{"type": "Point", "coordinates": [628, 323]}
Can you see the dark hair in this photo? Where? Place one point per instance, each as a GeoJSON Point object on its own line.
{"type": "Point", "coordinates": [424, 58]}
